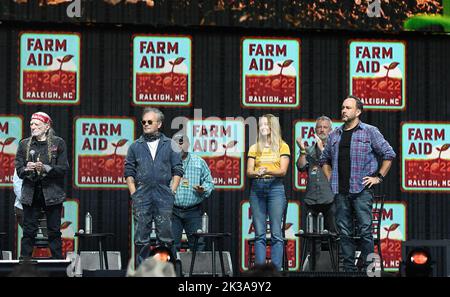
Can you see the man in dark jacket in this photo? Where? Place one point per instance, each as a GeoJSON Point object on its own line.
{"type": "Point", "coordinates": [41, 161]}
{"type": "Point", "coordinates": [153, 170]}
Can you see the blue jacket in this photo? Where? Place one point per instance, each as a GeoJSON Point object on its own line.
{"type": "Point", "coordinates": [140, 165]}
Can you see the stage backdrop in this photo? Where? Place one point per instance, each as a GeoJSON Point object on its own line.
{"type": "Point", "coordinates": [85, 78]}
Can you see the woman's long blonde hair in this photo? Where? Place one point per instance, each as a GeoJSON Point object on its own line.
{"type": "Point", "coordinates": [275, 134]}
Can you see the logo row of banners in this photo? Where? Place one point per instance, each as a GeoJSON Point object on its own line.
{"type": "Point", "coordinates": [392, 233]}
{"type": "Point", "coordinates": [50, 71]}
{"type": "Point", "coordinates": [100, 145]}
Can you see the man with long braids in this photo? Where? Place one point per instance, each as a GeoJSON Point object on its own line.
{"type": "Point", "coordinates": [41, 161]}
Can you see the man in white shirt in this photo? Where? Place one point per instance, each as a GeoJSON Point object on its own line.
{"type": "Point", "coordinates": [153, 170]}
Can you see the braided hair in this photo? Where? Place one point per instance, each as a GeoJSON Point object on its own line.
{"type": "Point", "coordinates": [50, 139]}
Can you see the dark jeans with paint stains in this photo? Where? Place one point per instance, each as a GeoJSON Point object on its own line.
{"type": "Point", "coordinates": [152, 202]}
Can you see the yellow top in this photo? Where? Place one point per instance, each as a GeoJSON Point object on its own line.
{"type": "Point", "coordinates": [268, 158]}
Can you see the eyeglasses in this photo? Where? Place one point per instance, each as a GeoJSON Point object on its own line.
{"type": "Point", "coordinates": [150, 122]}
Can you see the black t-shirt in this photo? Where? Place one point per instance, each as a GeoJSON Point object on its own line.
{"type": "Point", "coordinates": [344, 161]}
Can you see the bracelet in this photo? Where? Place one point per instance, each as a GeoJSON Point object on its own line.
{"type": "Point", "coordinates": [302, 152]}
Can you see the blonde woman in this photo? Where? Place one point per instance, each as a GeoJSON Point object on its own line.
{"type": "Point", "coordinates": [267, 164]}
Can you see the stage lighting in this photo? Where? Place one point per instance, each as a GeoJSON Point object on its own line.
{"type": "Point", "coordinates": [418, 263]}
{"type": "Point", "coordinates": [160, 252]}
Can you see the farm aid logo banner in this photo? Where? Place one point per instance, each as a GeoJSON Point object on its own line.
{"type": "Point", "coordinates": [426, 156]}
{"type": "Point", "coordinates": [392, 234]}
{"type": "Point", "coordinates": [377, 74]}
{"type": "Point", "coordinates": [69, 226]}
{"type": "Point", "coordinates": [10, 135]}
{"type": "Point", "coordinates": [270, 73]}
{"type": "Point", "coordinates": [162, 70]}
{"type": "Point", "coordinates": [222, 145]}
{"type": "Point", "coordinates": [305, 129]}
{"type": "Point", "coordinates": [292, 227]}
{"type": "Point", "coordinates": [101, 145]}
{"type": "Point", "coordinates": [49, 68]}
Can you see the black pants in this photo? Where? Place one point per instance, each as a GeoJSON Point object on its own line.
{"type": "Point", "coordinates": [30, 226]}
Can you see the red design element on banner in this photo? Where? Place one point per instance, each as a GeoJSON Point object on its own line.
{"type": "Point", "coordinates": [49, 85]}
{"type": "Point", "coordinates": [101, 169]}
{"type": "Point", "coordinates": [270, 88]}
{"type": "Point", "coordinates": [225, 170]}
{"type": "Point", "coordinates": [291, 247]}
{"type": "Point", "coordinates": [384, 89]}
{"type": "Point", "coordinates": [302, 178]}
{"type": "Point", "coordinates": [435, 171]}
{"type": "Point", "coordinates": [161, 87]}
{"type": "Point", "coordinates": [6, 160]}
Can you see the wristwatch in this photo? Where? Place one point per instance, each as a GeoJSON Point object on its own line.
{"type": "Point", "coordinates": [380, 176]}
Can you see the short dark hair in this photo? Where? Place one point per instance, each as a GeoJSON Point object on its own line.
{"type": "Point", "coordinates": [359, 103]}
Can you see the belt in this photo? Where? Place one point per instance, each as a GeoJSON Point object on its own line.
{"type": "Point", "coordinates": [186, 207]}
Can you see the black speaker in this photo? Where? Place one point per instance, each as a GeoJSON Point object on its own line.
{"type": "Point", "coordinates": [90, 260]}
{"type": "Point", "coordinates": [203, 263]}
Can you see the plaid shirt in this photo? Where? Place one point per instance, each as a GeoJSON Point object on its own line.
{"type": "Point", "coordinates": [367, 143]}
{"type": "Point", "coordinates": [196, 172]}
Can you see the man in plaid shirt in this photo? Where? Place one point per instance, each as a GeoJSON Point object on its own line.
{"type": "Point", "coordinates": [196, 185]}
{"type": "Point", "coordinates": [350, 161]}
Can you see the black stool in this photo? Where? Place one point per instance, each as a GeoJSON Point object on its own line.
{"type": "Point", "coordinates": [2, 235]}
{"type": "Point", "coordinates": [309, 239]}
{"type": "Point", "coordinates": [100, 240]}
{"type": "Point", "coordinates": [214, 237]}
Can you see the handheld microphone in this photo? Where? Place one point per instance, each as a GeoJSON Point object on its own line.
{"type": "Point", "coordinates": [32, 152]}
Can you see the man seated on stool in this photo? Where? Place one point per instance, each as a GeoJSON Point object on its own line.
{"type": "Point", "coordinates": [195, 186]}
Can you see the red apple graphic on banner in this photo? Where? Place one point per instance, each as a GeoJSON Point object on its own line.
{"type": "Point", "coordinates": [10, 135]}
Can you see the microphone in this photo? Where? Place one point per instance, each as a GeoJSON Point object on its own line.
{"type": "Point", "coordinates": [32, 152]}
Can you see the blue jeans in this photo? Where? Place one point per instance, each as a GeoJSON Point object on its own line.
{"type": "Point", "coordinates": [267, 197]}
{"type": "Point", "coordinates": [190, 220]}
{"type": "Point", "coordinates": [152, 202]}
{"type": "Point", "coordinates": [361, 204]}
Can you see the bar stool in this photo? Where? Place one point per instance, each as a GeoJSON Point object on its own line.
{"type": "Point", "coordinates": [215, 238]}
{"type": "Point", "coordinates": [102, 252]}
{"type": "Point", "coordinates": [309, 239]}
